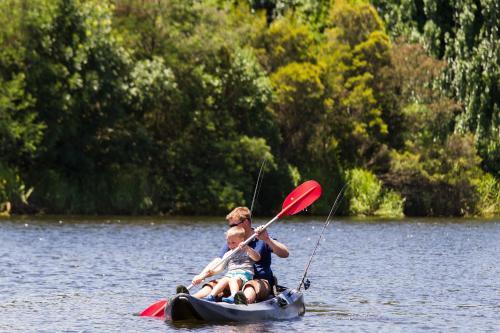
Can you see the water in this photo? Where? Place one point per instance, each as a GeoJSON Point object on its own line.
{"type": "Point", "coordinates": [60, 274]}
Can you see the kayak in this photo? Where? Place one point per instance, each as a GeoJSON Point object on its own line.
{"type": "Point", "coordinates": [286, 305]}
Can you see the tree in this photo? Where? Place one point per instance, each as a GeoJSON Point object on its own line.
{"type": "Point", "coordinates": [20, 130]}
{"type": "Point", "coordinates": [285, 41]}
{"type": "Point", "coordinates": [437, 171]}
{"type": "Point", "coordinates": [226, 135]}
{"type": "Point", "coordinates": [213, 132]}
{"type": "Point", "coordinates": [78, 77]}
{"type": "Point", "coordinates": [356, 57]}
{"type": "Point", "coordinates": [298, 106]}
{"type": "Point", "coordinates": [465, 35]}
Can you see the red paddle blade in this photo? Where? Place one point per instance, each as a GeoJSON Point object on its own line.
{"type": "Point", "coordinates": [301, 198]}
{"type": "Point", "coordinates": [155, 310]}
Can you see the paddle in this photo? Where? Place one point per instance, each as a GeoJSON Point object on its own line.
{"type": "Point", "coordinates": [155, 310]}
{"type": "Point", "coordinates": [298, 200]}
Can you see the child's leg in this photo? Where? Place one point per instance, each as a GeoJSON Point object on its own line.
{"type": "Point", "coordinates": [235, 284]}
{"type": "Point", "coordinates": [220, 286]}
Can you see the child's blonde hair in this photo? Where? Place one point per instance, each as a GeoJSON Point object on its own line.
{"type": "Point", "coordinates": [236, 232]}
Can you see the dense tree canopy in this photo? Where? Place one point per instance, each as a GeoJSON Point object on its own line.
{"type": "Point", "coordinates": [170, 106]}
{"type": "Point", "coordinates": [465, 34]}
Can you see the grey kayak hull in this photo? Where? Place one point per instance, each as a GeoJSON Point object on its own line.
{"type": "Point", "coordinates": [287, 305]}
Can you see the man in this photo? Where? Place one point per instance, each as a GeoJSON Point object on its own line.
{"type": "Point", "coordinates": [261, 286]}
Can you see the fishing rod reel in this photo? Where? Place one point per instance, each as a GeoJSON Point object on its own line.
{"type": "Point", "coordinates": [307, 284]}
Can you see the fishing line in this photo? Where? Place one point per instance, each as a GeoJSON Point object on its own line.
{"type": "Point", "coordinates": [257, 185]}
{"type": "Point", "coordinates": [305, 282]}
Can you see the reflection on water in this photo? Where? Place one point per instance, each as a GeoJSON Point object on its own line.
{"type": "Point", "coordinates": [225, 327]}
{"type": "Point", "coordinates": [60, 274]}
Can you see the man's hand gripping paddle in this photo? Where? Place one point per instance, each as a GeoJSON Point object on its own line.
{"type": "Point", "coordinates": [298, 200]}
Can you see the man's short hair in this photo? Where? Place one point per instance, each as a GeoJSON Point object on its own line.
{"type": "Point", "coordinates": [240, 214]}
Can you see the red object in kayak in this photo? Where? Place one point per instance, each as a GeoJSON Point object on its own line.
{"type": "Point", "coordinates": [155, 310]}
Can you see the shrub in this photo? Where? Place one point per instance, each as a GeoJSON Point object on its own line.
{"type": "Point", "coordinates": [364, 191]}
{"type": "Point", "coordinates": [488, 190]}
{"type": "Point", "coordinates": [368, 197]}
{"type": "Point", "coordinates": [391, 205]}
{"type": "Point", "coordinates": [13, 191]}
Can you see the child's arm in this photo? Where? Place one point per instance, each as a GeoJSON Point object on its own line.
{"type": "Point", "coordinates": [206, 272]}
{"type": "Point", "coordinates": [254, 255]}
{"type": "Point", "coordinates": [198, 279]}
{"type": "Point", "coordinates": [213, 268]}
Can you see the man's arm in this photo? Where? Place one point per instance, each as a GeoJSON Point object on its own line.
{"type": "Point", "coordinates": [278, 248]}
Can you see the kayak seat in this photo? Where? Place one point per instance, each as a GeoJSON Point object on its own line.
{"type": "Point", "coordinates": [277, 289]}
{"type": "Point", "coordinates": [280, 289]}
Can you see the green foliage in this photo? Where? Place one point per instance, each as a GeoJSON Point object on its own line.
{"type": "Point", "coordinates": [391, 205]}
{"type": "Point", "coordinates": [474, 74]}
{"type": "Point", "coordinates": [429, 114]}
{"type": "Point", "coordinates": [133, 107]}
{"type": "Point", "coordinates": [297, 105]}
{"type": "Point", "coordinates": [465, 35]}
{"type": "Point", "coordinates": [314, 12]}
{"type": "Point", "coordinates": [236, 92]}
{"type": "Point", "coordinates": [79, 81]}
{"type": "Point", "coordinates": [284, 42]}
{"type": "Point", "coordinates": [360, 111]}
{"type": "Point", "coordinates": [20, 130]}
{"type": "Point", "coordinates": [353, 22]}
{"type": "Point", "coordinates": [367, 196]}
{"type": "Point", "coordinates": [438, 171]}
{"type": "Point", "coordinates": [363, 192]}
{"type": "Point", "coordinates": [124, 189]}
{"type": "Point", "coordinates": [440, 180]}
{"type": "Point", "coordinates": [489, 196]}
{"type": "Point", "coordinates": [12, 189]}
{"type": "Point", "coordinates": [156, 100]}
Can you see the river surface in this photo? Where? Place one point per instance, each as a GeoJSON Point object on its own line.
{"type": "Point", "coordinates": [80, 274]}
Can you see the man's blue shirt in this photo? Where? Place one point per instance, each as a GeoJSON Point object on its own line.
{"type": "Point", "coordinates": [263, 266]}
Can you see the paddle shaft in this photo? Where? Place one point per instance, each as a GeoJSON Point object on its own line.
{"type": "Point", "coordinates": [265, 226]}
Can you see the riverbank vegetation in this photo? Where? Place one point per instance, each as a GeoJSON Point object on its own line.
{"type": "Point", "coordinates": [170, 106]}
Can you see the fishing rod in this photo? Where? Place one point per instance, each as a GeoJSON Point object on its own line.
{"type": "Point", "coordinates": [305, 282]}
{"type": "Point", "coordinates": [257, 185]}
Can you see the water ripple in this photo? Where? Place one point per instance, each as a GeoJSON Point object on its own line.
{"type": "Point", "coordinates": [61, 274]}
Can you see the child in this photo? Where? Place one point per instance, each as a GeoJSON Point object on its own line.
{"type": "Point", "coordinates": [239, 267]}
